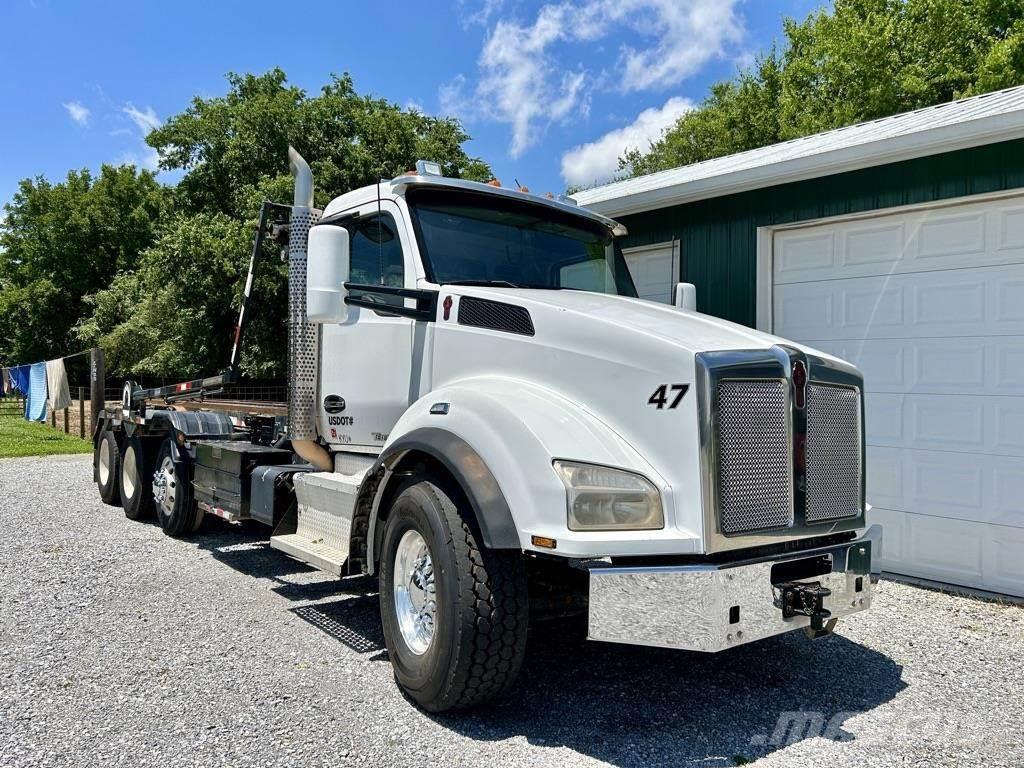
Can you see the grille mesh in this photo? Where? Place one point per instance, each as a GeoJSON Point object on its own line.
{"type": "Point", "coordinates": [495, 315]}
{"type": "Point", "coordinates": [833, 452]}
{"type": "Point", "coordinates": [754, 482]}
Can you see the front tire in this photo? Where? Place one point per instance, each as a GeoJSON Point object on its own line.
{"type": "Point", "coordinates": [108, 469]}
{"type": "Point", "coordinates": [454, 613]}
{"type": "Point", "coordinates": [172, 490]}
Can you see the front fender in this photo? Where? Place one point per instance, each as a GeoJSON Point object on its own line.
{"type": "Point", "coordinates": [499, 436]}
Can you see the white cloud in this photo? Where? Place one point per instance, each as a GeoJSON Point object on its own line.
{"type": "Point", "coordinates": [597, 161]}
{"type": "Point", "coordinates": [483, 13]}
{"type": "Point", "coordinates": [145, 120]}
{"type": "Point", "coordinates": [524, 83]}
{"type": "Point", "coordinates": [78, 112]}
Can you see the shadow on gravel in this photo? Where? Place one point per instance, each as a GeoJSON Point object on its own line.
{"type": "Point", "coordinates": [630, 706]}
{"type": "Point", "coordinates": [637, 706]}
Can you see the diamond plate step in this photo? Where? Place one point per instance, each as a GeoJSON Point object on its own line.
{"type": "Point", "coordinates": [323, 523]}
{"type": "Point", "coordinates": [316, 553]}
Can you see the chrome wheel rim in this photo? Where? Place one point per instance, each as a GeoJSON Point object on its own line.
{"type": "Point", "coordinates": [128, 473]}
{"type": "Point", "coordinates": [415, 597]}
{"type": "Point", "coordinates": [165, 486]}
{"type": "Point", "coordinates": [104, 467]}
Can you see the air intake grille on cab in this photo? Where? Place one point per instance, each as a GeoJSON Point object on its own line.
{"type": "Point", "coordinates": [754, 477]}
{"type": "Point", "coordinates": [495, 315]}
{"type": "Point", "coordinates": [833, 452]}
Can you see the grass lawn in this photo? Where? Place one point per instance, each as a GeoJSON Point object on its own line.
{"type": "Point", "coordinates": [25, 438]}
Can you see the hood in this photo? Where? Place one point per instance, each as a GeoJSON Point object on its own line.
{"type": "Point", "coordinates": [691, 331]}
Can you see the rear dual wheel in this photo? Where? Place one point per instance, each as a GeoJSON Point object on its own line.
{"type": "Point", "coordinates": [107, 460]}
{"type": "Point", "coordinates": [172, 493]}
{"type": "Point", "coordinates": [136, 487]}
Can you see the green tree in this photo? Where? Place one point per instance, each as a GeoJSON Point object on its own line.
{"type": "Point", "coordinates": [61, 242]}
{"type": "Point", "coordinates": [175, 315]}
{"type": "Point", "coordinates": [861, 60]}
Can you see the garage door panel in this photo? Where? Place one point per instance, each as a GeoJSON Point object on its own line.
{"type": "Point", "coordinates": [947, 550]}
{"type": "Point", "coordinates": [929, 305]}
{"type": "Point", "coordinates": [942, 234]}
{"type": "Point", "coordinates": [962, 486]}
{"type": "Point", "coordinates": [651, 270]}
{"type": "Point", "coordinates": [892, 551]}
{"type": "Point", "coordinates": [958, 366]}
{"type": "Point", "coordinates": [1002, 561]}
{"type": "Point", "coordinates": [963, 424]}
{"type": "Point", "coordinates": [978, 556]}
{"type": "Point", "coordinates": [973, 235]}
{"type": "Point", "coordinates": [961, 302]}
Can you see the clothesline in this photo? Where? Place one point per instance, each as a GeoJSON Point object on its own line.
{"type": "Point", "coordinates": [44, 384]}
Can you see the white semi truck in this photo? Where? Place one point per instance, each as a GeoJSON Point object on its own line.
{"type": "Point", "coordinates": [483, 414]}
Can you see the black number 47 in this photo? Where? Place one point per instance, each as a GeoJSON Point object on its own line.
{"type": "Point", "coordinates": [660, 396]}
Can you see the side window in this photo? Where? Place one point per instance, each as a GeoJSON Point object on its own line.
{"type": "Point", "coordinates": [376, 256]}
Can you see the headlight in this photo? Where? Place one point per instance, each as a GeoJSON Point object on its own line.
{"type": "Point", "coordinates": [605, 499]}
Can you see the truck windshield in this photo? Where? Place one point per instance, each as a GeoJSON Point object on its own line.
{"type": "Point", "coordinates": [478, 239]}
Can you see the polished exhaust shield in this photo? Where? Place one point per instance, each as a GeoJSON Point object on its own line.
{"type": "Point", "coordinates": [303, 336]}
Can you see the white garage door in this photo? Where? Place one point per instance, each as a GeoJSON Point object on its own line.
{"type": "Point", "coordinates": [930, 306]}
{"type": "Point", "coordinates": [653, 268]}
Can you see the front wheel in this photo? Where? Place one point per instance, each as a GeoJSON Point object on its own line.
{"type": "Point", "coordinates": [454, 613]}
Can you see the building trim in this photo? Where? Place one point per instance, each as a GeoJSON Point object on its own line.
{"type": "Point", "coordinates": [973, 122]}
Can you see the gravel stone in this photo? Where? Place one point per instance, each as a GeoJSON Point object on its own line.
{"type": "Point", "coordinates": [122, 647]}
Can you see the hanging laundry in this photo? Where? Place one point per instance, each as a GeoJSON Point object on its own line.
{"type": "Point", "coordinates": [35, 403]}
{"type": "Point", "coordinates": [5, 382]}
{"type": "Point", "coordinates": [19, 377]}
{"type": "Point", "coordinates": [59, 395]}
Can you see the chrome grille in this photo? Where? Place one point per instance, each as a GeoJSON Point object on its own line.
{"type": "Point", "coordinates": [754, 480]}
{"type": "Point", "coordinates": [833, 452]}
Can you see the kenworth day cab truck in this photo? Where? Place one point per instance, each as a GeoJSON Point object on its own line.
{"type": "Point", "coordinates": [483, 414]}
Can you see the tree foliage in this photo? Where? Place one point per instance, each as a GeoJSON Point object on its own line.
{"type": "Point", "coordinates": [61, 242]}
{"type": "Point", "coordinates": [173, 314]}
{"type": "Point", "coordinates": [861, 60]}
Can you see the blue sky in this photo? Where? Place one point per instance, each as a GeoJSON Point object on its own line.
{"type": "Point", "coordinates": [551, 92]}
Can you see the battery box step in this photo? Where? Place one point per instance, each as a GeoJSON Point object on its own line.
{"type": "Point", "coordinates": [319, 532]}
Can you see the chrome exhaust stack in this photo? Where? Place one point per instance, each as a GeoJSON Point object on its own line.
{"type": "Point", "coordinates": [303, 336]}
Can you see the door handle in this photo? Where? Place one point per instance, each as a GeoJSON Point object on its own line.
{"type": "Point", "coordinates": [334, 404]}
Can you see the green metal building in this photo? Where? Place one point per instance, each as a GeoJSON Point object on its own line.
{"type": "Point", "coordinates": [899, 245]}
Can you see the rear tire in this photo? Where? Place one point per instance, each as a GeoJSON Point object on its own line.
{"type": "Point", "coordinates": [172, 490]}
{"type": "Point", "coordinates": [107, 460]}
{"type": "Point", "coordinates": [469, 647]}
{"type": "Point", "coordinates": [136, 473]}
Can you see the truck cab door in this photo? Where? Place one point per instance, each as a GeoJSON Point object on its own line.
{"type": "Point", "coordinates": [367, 379]}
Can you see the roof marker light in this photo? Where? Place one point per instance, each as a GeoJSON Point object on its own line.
{"type": "Point", "coordinates": [428, 168]}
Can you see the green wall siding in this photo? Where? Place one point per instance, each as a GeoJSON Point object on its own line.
{"type": "Point", "coordinates": [718, 237]}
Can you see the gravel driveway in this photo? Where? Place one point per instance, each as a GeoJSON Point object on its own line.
{"type": "Point", "coordinates": [120, 646]}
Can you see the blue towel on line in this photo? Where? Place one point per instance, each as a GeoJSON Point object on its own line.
{"type": "Point", "coordinates": [35, 404]}
{"type": "Point", "coordinates": [19, 375]}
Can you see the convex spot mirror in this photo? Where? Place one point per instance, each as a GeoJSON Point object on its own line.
{"type": "Point", "coordinates": [686, 296]}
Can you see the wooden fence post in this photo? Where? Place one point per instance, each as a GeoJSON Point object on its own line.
{"type": "Point", "coordinates": [97, 377]}
{"type": "Point", "coordinates": [81, 412]}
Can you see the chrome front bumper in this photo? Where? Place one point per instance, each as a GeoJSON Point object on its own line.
{"type": "Point", "coordinates": [714, 607]}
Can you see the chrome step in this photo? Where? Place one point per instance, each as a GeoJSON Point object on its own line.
{"type": "Point", "coordinates": [326, 504]}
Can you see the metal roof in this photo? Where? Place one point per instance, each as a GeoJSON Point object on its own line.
{"type": "Point", "coordinates": [985, 119]}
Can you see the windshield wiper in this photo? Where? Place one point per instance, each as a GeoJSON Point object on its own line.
{"type": "Point", "coordinates": [502, 283]}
